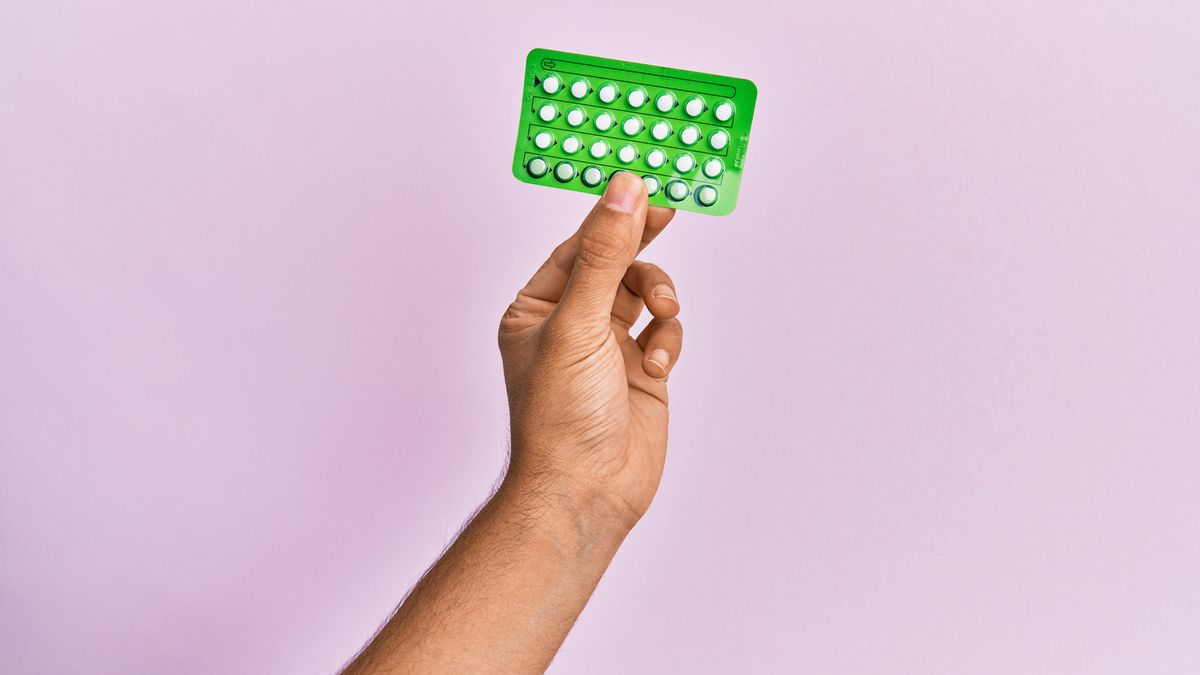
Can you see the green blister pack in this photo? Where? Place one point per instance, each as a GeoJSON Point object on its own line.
{"type": "Point", "coordinates": [583, 118]}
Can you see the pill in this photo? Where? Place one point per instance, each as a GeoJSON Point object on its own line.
{"type": "Point", "coordinates": [543, 139]}
{"type": "Point", "coordinates": [627, 153]}
{"type": "Point", "coordinates": [636, 97]}
{"type": "Point", "coordinates": [713, 168]}
{"type": "Point", "coordinates": [718, 139]}
{"type": "Point", "coordinates": [685, 163]}
{"type": "Point", "coordinates": [576, 117]}
{"type": "Point", "coordinates": [661, 130]}
{"type": "Point", "coordinates": [665, 102]}
{"type": "Point", "coordinates": [689, 135]}
{"type": "Point", "coordinates": [706, 195]}
{"type": "Point", "coordinates": [652, 185]}
{"type": "Point", "coordinates": [632, 126]}
{"type": "Point", "coordinates": [551, 84]}
{"type": "Point", "coordinates": [608, 93]}
{"type": "Point", "coordinates": [677, 190]}
{"type": "Point", "coordinates": [694, 106]}
{"type": "Point", "coordinates": [605, 121]}
{"type": "Point", "coordinates": [579, 88]}
{"type": "Point", "coordinates": [656, 158]}
{"type": "Point", "coordinates": [598, 150]}
{"type": "Point", "coordinates": [537, 167]}
{"type": "Point", "coordinates": [564, 171]}
{"type": "Point", "coordinates": [547, 112]}
{"type": "Point", "coordinates": [724, 111]}
{"type": "Point", "coordinates": [591, 176]}
{"type": "Point", "coordinates": [571, 145]}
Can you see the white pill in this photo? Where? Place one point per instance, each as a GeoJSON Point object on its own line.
{"type": "Point", "coordinates": [689, 135]}
{"type": "Point", "coordinates": [632, 126]}
{"type": "Point", "coordinates": [718, 140]}
{"type": "Point", "coordinates": [599, 149]}
{"type": "Point", "coordinates": [551, 84]}
{"type": "Point", "coordinates": [537, 167]}
{"type": "Point", "coordinates": [627, 154]}
{"type": "Point", "coordinates": [694, 106]}
{"type": "Point", "coordinates": [724, 111]}
{"type": "Point", "coordinates": [543, 139]}
{"type": "Point", "coordinates": [591, 176]}
{"type": "Point", "coordinates": [564, 171]}
{"type": "Point", "coordinates": [575, 117]}
{"type": "Point", "coordinates": [571, 145]}
{"type": "Point", "coordinates": [685, 163]}
{"type": "Point", "coordinates": [637, 97]}
{"type": "Point", "coordinates": [713, 168]}
{"type": "Point", "coordinates": [605, 121]}
{"type": "Point", "coordinates": [665, 101]}
{"type": "Point", "coordinates": [656, 158]}
{"type": "Point", "coordinates": [547, 113]}
{"type": "Point", "coordinates": [579, 88]}
{"type": "Point", "coordinates": [706, 195]}
{"type": "Point", "coordinates": [677, 190]}
{"type": "Point", "coordinates": [661, 130]}
{"type": "Point", "coordinates": [608, 93]}
{"type": "Point", "coordinates": [652, 185]}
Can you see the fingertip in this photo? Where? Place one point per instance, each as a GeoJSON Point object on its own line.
{"type": "Point", "coordinates": [657, 219]}
{"type": "Point", "coordinates": [625, 192]}
{"type": "Point", "coordinates": [656, 363]}
{"type": "Point", "coordinates": [662, 301]}
{"type": "Point", "coordinates": [662, 214]}
{"type": "Point", "coordinates": [665, 292]}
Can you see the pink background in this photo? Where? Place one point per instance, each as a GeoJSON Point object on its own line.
{"type": "Point", "coordinates": [939, 404]}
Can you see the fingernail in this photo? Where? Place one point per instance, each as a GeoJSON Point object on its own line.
{"type": "Point", "coordinates": [664, 291]}
{"type": "Point", "coordinates": [623, 191]}
{"type": "Point", "coordinates": [661, 358]}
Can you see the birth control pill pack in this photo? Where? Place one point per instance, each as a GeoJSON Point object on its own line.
{"type": "Point", "coordinates": [584, 118]}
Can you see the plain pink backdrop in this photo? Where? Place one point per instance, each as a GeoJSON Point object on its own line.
{"type": "Point", "coordinates": [938, 409]}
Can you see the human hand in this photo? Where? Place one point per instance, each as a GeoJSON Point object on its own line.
{"type": "Point", "coordinates": [589, 434]}
{"type": "Point", "coordinates": [588, 402]}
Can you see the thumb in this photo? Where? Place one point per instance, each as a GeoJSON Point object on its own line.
{"type": "Point", "coordinates": [608, 243]}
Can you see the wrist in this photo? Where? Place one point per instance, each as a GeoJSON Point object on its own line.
{"type": "Point", "coordinates": [572, 510]}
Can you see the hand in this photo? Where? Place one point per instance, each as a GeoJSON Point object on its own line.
{"type": "Point", "coordinates": [588, 402]}
{"type": "Point", "coordinates": [589, 433]}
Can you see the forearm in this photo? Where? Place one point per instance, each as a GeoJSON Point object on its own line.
{"type": "Point", "coordinates": [504, 595]}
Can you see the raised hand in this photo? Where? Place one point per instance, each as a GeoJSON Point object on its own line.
{"type": "Point", "coordinates": [589, 436]}
{"type": "Point", "coordinates": [588, 402]}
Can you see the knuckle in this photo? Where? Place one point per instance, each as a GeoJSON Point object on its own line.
{"type": "Point", "coordinates": [651, 269]}
{"type": "Point", "coordinates": [517, 309]}
{"type": "Point", "coordinates": [601, 248]}
{"type": "Point", "coordinates": [604, 244]}
{"type": "Point", "coordinates": [511, 313]}
{"type": "Point", "coordinates": [509, 321]}
{"type": "Point", "coordinates": [644, 277]}
{"type": "Point", "coordinates": [520, 315]}
{"type": "Point", "coordinates": [650, 273]}
{"type": "Point", "coordinates": [671, 328]}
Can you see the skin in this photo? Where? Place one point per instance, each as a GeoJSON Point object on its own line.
{"type": "Point", "coordinates": [588, 407]}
